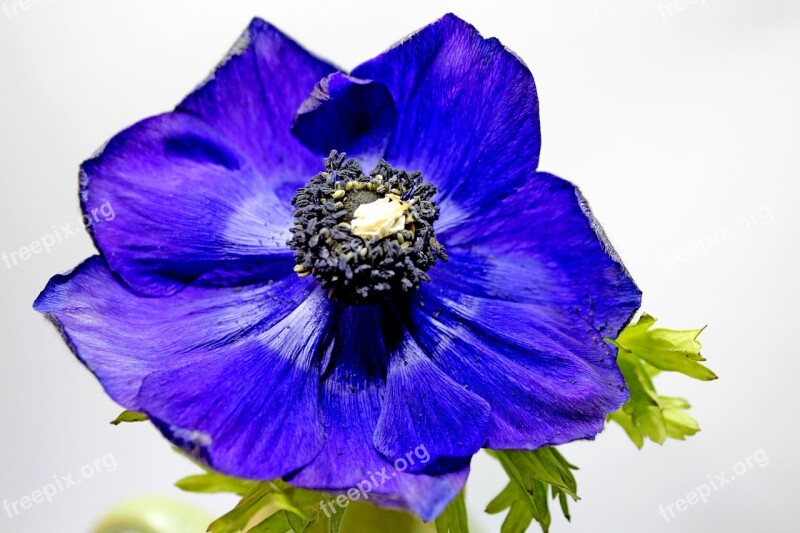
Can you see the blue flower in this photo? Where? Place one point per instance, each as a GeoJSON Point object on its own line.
{"type": "Point", "coordinates": [277, 316]}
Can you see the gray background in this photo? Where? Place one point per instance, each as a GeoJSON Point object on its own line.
{"type": "Point", "coordinates": [678, 119]}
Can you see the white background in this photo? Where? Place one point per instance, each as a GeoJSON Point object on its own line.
{"type": "Point", "coordinates": [679, 120]}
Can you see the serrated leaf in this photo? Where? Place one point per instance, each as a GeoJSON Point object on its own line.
{"type": "Point", "coordinates": [650, 421]}
{"type": "Point", "coordinates": [644, 352]}
{"type": "Point", "coordinates": [297, 523]}
{"type": "Point", "coordinates": [213, 482]}
{"type": "Point", "coordinates": [668, 402]}
{"type": "Point", "coordinates": [519, 519]}
{"type": "Point", "coordinates": [643, 407]}
{"type": "Point", "coordinates": [304, 510]}
{"type": "Point", "coordinates": [679, 425]}
{"type": "Point", "coordinates": [625, 420]}
{"type": "Point", "coordinates": [520, 515]}
{"type": "Point", "coordinates": [533, 474]}
{"type": "Point", "coordinates": [129, 416]}
{"type": "Point", "coordinates": [454, 517]}
{"type": "Point", "coordinates": [503, 501]}
{"type": "Point", "coordinates": [300, 510]}
{"type": "Point", "coordinates": [637, 378]}
{"type": "Point", "coordinates": [562, 501]}
{"type": "Point", "coordinates": [276, 523]}
{"type": "Point", "coordinates": [255, 501]}
{"type": "Point", "coordinates": [545, 464]}
{"type": "Point", "coordinates": [669, 350]}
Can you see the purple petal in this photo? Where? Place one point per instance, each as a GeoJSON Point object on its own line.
{"type": "Point", "coordinates": [549, 378]}
{"type": "Point", "coordinates": [204, 192]}
{"type": "Point", "coordinates": [351, 404]}
{"type": "Point", "coordinates": [519, 314]}
{"type": "Point", "coordinates": [468, 114]}
{"type": "Point", "coordinates": [543, 244]}
{"type": "Point", "coordinates": [349, 115]}
{"type": "Point", "coordinates": [122, 336]}
{"type": "Point", "coordinates": [250, 409]}
{"type": "Point", "coordinates": [252, 97]}
{"type": "Point", "coordinates": [185, 204]}
{"type": "Point", "coordinates": [226, 350]}
{"type": "Point", "coordinates": [424, 407]}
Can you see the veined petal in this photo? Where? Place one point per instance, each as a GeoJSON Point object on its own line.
{"type": "Point", "coordinates": [542, 244]}
{"type": "Point", "coordinates": [122, 336]}
{"type": "Point", "coordinates": [468, 114]}
{"type": "Point", "coordinates": [249, 410]}
{"type": "Point", "coordinates": [548, 377]}
{"type": "Point", "coordinates": [186, 204]}
{"type": "Point", "coordinates": [252, 97]}
{"type": "Point", "coordinates": [204, 192]}
{"type": "Point", "coordinates": [424, 407]}
{"type": "Point", "coordinates": [519, 313]}
{"type": "Point", "coordinates": [227, 351]}
{"type": "Point", "coordinates": [351, 401]}
{"type": "Point", "coordinates": [349, 115]}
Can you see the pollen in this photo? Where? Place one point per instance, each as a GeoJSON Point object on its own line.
{"type": "Point", "coordinates": [381, 218]}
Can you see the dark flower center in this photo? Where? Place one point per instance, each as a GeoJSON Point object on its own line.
{"type": "Point", "coordinates": [365, 236]}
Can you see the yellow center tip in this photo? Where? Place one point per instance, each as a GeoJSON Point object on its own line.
{"type": "Point", "coordinates": [381, 218]}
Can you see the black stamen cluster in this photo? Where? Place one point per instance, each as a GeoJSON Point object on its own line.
{"type": "Point", "coordinates": [357, 269]}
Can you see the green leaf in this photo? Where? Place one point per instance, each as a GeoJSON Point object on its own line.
{"type": "Point", "coordinates": [297, 523]}
{"type": "Point", "coordinates": [363, 516]}
{"type": "Point", "coordinates": [454, 517]}
{"type": "Point", "coordinates": [129, 416]}
{"type": "Point", "coordinates": [534, 475]}
{"type": "Point", "coordinates": [643, 353]}
{"type": "Point", "coordinates": [669, 350]}
{"type": "Point", "coordinates": [562, 501]}
{"type": "Point", "coordinates": [212, 482]}
{"type": "Point", "coordinates": [520, 514]}
{"type": "Point", "coordinates": [544, 464]}
{"type": "Point", "coordinates": [626, 421]}
{"type": "Point", "coordinates": [281, 505]}
{"type": "Point", "coordinates": [637, 378]}
{"type": "Point", "coordinates": [256, 500]}
{"type": "Point", "coordinates": [276, 523]}
{"type": "Point", "coordinates": [679, 424]}
{"type": "Point", "coordinates": [304, 510]}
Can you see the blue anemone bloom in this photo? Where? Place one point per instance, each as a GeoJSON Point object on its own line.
{"type": "Point", "coordinates": [279, 310]}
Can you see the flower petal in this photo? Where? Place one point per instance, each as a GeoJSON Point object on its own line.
{"type": "Point", "coordinates": [252, 97]}
{"type": "Point", "coordinates": [468, 114]}
{"type": "Point", "coordinates": [185, 204]}
{"type": "Point", "coordinates": [351, 402]}
{"type": "Point", "coordinates": [248, 410]}
{"type": "Point", "coordinates": [542, 244]}
{"type": "Point", "coordinates": [122, 336]}
{"type": "Point", "coordinates": [424, 407]}
{"type": "Point", "coordinates": [205, 191]}
{"type": "Point", "coordinates": [229, 348]}
{"type": "Point", "coordinates": [548, 381]}
{"type": "Point", "coordinates": [348, 115]}
{"type": "Point", "coordinates": [520, 311]}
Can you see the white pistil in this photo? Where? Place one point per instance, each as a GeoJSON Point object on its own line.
{"type": "Point", "coordinates": [379, 219]}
